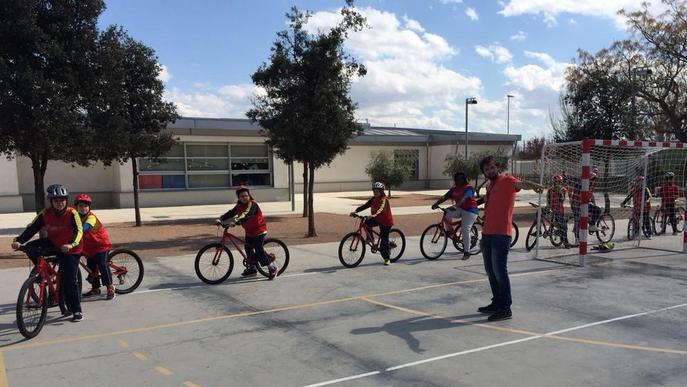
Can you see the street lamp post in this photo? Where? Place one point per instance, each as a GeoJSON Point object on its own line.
{"type": "Point", "coordinates": [508, 114]}
{"type": "Point", "coordinates": [468, 101]}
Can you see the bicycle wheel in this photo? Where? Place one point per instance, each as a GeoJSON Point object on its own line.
{"type": "Point", "coordinates": [397, 244]}
{"type": "Point", "coordinates": [659, 222]}
{"type": "Point", "coordinates": [632, 230]}
{"type": "Point", "coordinates": [352, 249]}
{"type": "Point", "coordinates": [32, 310]}
{"type": "Point", "coordinates": [475, 247]}
{"type": "Point", "coordinates": [533, 236]}
{"type": "Point", "coordinates": [433, 242]}
{"type": "Point", "coordinates": [572, 235]}
{"type": "Point", "coordinates": [605, 228]}
{"type": "Point", "coordinates": [127, 270]}
{"type": "Point", "coordinates": [515, 234]}
{"type": "Point", "coordinates": [214, 264]}
{"type": "Point", "coordinates": [680, 218]}
{"type": "Point", "coordinates": [278, 253]}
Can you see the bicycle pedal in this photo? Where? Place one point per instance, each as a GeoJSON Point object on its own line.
{"type": "Point", "coordinates": [374, 251]}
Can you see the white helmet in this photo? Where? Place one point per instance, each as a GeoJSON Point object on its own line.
{"type": "Point", "coordinates": [378, 185]}
{"type": "Point", "coordinates": [670, 175]}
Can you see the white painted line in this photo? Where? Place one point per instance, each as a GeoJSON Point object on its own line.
{"type": "Point", "coordinates": [202, 286]}
{"type": "Point", "coordinates": [344, 379]}
{"type": "Point", "coordinates": [503, 344]}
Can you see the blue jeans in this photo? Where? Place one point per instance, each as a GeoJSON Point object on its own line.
{"type": "Point", "coordinates": [99, 261]}
{"type": "Point", "coordinates": [495, 253]}
{"type": "Point", "coordinates": [69, 267]}
{"type": "Point", "coordinates": [255, 249]}
{"type": "Point", "coordinates": [383, 237]}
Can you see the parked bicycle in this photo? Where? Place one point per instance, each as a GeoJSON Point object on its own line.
{"type": "Point", "coordinates": [435, 237]}
{"type": "Point", "coordinates": [215, 262]}
{"type": "Point", "coordinates": [352, 246]}
{"type": "Point", "coordinates": [633, 226]}
{"type": "Point", "coordinates": [126, 268]}
{"type": "Point", "coordinates": [547, 229]}
{"type": "Point", "coordinates": [661, 219]}
{"type": "Point", "coordinates": [605, 229]}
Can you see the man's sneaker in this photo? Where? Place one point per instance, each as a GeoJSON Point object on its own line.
{"type": "Point", "coordinates": [491, 308]}
{"type": "Point", "coordinates": [466, 256]}
{"type": "Point", "coordinates": [250, 271]}
{"type": "Point", "coordinates": [274, 271]}
{"type": "Point", "coordinates": [110, 293]}
{"type": "Point", "coordinates": [78, 316]}
{"type": "Point", "coordinates": [387, 262]}
{"type": "Point", "coordinates": [92, 292]}
{"type": "Point", "coordinates": [501, 315]}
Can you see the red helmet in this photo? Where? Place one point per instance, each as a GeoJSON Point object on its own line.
{"type": "Point", "coordinates": [242, 188]}
{"type": "Point", "coordinates": [83, 198]}
{"type": "Point", "coordinates": [557, 178]}
{"type": "Point", "coordinates": [639, 178]}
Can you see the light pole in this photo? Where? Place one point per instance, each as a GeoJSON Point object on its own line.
{"type": "Point", "coordinates": [508, 114]}
{"type": "Point", "coordinates": [468, 101]}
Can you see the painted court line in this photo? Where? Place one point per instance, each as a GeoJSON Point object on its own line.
{"type": "Point", "coordinates": [163, 371]}
{"type": "Point", "coordinates": [189, 383]}
{"type": "Point", "coordinates": [140, 356]}
{"type": "Point", "coordinates": [503, 344]}
{"type": "Point", "coordinates": [202, 286]}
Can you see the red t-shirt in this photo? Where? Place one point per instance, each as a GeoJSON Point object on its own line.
{"type": "Point", "coordinates": [95, 240]}
{"type": "Point", "coordinates": [498, 206]}
{"type": "Point", "coordinates": [381, 210]}
{"type": "Point", "coordinates": [668, 193]}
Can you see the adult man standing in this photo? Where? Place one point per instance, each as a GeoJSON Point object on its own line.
{"type": "Point", "coordinates": [496, 234]}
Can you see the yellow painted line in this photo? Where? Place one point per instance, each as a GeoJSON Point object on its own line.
{"type": "Point", "coordinates": [529, 333]}
{"type": "Point", "coordinates": [163, 370]}
{"type": "Point", "coordinates": [122, 344]}
{"type": "Point", "coordinates": [140, 356]}
{"type": "Point", "coordinates": [258, 312]}
{"type": "Point", "coordinates": [191, 384]}
{"type": "Point", "coordinates": [3, 372]}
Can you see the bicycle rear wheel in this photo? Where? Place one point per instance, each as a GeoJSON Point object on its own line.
{"type": "Point", "coordinates": [278, 253]}
{"type": "Point", "coordinates": [351, 250]}
{"type": "Point", "coordinates": [680, 218]}
{"type": "Point", "coordinates": [32, 309]}
{"type": "Point", "coordinates": [572, 235]}
{"type": "Point", "coordinates": [214, 264]}
{"type": "Point", "coordinates": [659, 222]}
{"type": "Point", "coordinates": [433, 242]}
{"type": "Point", "coordinates": [127, 270]}
{"type": "Point", "coordinates": [397, 244]}
{"type": "Point", "coordinates": [533, 236]}
{"type": "Point", "coordinates": [516, 234]}
{"type": "Point", "coordinates": [605, 228]}
{"type": "Point", "coordinates": [475, 247]}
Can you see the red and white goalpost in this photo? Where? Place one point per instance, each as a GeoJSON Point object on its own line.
{"type": "Point", "coordinates": [617, 165]}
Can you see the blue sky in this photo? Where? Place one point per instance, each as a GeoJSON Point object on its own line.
{"type": "Point", "coordinates": [424, 57]}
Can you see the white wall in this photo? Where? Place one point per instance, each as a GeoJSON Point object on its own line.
{"type": "Point", "coordinates": [10, 201]}
{"type": "Point", "coordinates": [97, 178]}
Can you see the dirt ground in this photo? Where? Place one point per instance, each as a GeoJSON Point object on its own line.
{"type": "Point", "coordinates": [403, 200]}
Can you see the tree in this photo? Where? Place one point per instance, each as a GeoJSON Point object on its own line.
{"type": "Point", "coordinates": [45, 57]}
{"type": "Point", "coordinates": [532, 149]}
{"type": "Point", "coordinates": [128, 104]}
{"type": "Point", "coordinates": [389, 170]}
{"type": "Point", "coordinates": [305, 110]}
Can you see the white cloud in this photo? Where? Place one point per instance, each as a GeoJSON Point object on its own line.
{"type": "Point", "coordinates": [207, 101]}
{"type": "Point", "coordinates": [533, 76]}
{"type": "Point", "coordinates": [164, 75]}
{"type": "Point", "coordinates": [550, 9]}
{"type": "Point", "coordinates": [413, 25]}
{"type": "Point", "coordinates": [451, 1]}
{"type": "Point", "coordinates": [495, 52]}
{"type": "Point", "coordinates": [472, 14]}
{"type": "Point", "coordinates": [519, 36]}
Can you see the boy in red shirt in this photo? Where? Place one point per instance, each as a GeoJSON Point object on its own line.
{"type": "Point", "coordinates": [381, 216]}
{"type": "Point", "coordinates": [669, 192]}
{"type": "Point", "coordinates": [496, 234]}
{"type": "Point", "coordinates": [637, 197]}
{"type": "Point", "coordinates": [63, 227]}
{"type": "Point", "coordinates": [248, 215]}
{"type": "Point", "coordinates": [464, 207]}
{"type": "Point", "coordinates": [555, 197]}
{"type": "Point", "coordinates": [96, 247]}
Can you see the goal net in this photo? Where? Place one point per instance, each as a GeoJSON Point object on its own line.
{"type": "Point", "coordinates": [615, 194]}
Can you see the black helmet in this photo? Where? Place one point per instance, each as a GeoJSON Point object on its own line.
{"type": "Point", "coordinates": [57, 191]}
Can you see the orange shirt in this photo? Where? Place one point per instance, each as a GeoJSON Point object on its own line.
{"type": "Point", "coordinates": [498, 206]}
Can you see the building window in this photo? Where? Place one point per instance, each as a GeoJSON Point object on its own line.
{"type": "Point", "coordinates": [411, 158]}
{"type": "Point", "coordinates": [196, 165]}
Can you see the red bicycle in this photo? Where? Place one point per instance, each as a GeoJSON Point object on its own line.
{"type": "Point", "coordinates": [126, 267]}
{"type": "Point", "coordinates": [41, 290]}
{"type": "Point", "coordinates": [214, 262]}
{"type": "Point", "coordinates": [352, 246]}
{"type": "Point", "coordinates": [435, 237]}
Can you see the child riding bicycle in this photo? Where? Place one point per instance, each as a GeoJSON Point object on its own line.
{"type": "Point", "coordinates": [96, 247]}
{"type": "Point", "coordinates": [247, 214]}
{"type": "Point", "coordinates": [381, 216]}
{"type": "Point", "coordinates": [464, 207]}
{"type": "Point", "coordinates": [64, 239]}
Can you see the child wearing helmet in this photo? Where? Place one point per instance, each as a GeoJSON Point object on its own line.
{"type": "Point", "coordinates": [637, 197]}
{"type": "Point", "coordinates": [381, 216]}
{"type": "Point", "coordinates": [96, 247]}
{"type": "Point", "coordinates": [669, 192]}
{"type": "Point", "coordinates": [248, 215]}
{"type": "Point", "coordinates": [64, 239]}
{"type": "Point", "coordinates": [555, 197]}
{"type": "Point", "coordinates": [464, 207]}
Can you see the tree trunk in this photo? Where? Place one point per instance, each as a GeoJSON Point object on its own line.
{"type": "Point", "coordinates": [311, 210]}
{"type": "Point", "coordinates": [137, 210]}
{"type": "Point", "coordinates": [305, 189]}
{"type": "Point", "coordinates": [39, 166]}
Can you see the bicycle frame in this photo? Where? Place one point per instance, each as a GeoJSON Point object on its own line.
{"type": "Point", "coordinates": [369, 233]}
{"type": "Point", "coordinates": [235, 241]}
{"type": "Point", "coordinates": [117, 270]}
{"type": "Point", "coordinates": [46, 271]}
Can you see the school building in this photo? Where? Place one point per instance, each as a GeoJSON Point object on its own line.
{"type": "Point", "coordinates": [213, 155]}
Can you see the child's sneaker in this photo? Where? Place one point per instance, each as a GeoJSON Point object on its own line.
{"type": "Point", "coordinates": [250, 271]}
{"type": "Point", "coordinates": [77, 317]}
{"type": "Point", "coordinates": [466, 256]}
{"type": "Point", "coordinates": [110, 293]}
{"type": "Point", "coordinates": [274, 271]}
{"type": "Point", "coordinates": [92, 292]}
{"type": "Point", "coordinates": [387, 262]}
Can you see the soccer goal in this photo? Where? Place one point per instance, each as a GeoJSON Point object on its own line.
{"type": "Point", "coordinates": [615, 191]}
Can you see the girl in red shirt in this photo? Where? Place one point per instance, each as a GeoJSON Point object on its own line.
{"type": "Point", "coordinates": [96, 247]}
{"type": "Point", "coordinates": [381, 216]}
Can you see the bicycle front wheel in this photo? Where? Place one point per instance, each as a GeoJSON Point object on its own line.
{"type": "Point", "coordinates": [533, 235]}
{"type": "Point", "coordinates": [572, 234]}
{"type": "Point", "coordinates": [351, 250]}
{"type": "Point", "coordinates": [397, 244]}
{"type": "Point", "coordinates": [32, 309]}
{"type": "Point", "coordinates": [680, 218]}
{"type": "Point", "coordinates": [475, 246]}
{"type": "Point", "coordinates": [516, 234]}
{"type": "Point", "coordinates": [278, 253]}
{"type": "Point", "coordinates": [127, 270]}
{"type": "Point", "coordinates": [214, 263]}
{"type": "Point", "coordinates": [433, 242]}
{"type": "Point", "coordinates": [659, 222]}
{"type": "Point", "coordinates": [605, 228]}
